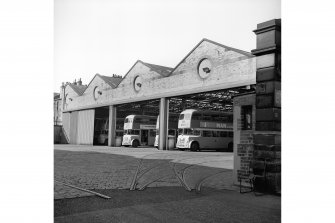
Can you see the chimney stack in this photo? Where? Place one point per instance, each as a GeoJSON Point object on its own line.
{"type": "Point", "coordinates": [80, 82]}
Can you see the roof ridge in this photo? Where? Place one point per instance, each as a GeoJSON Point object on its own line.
{"type": "Point", "coordinates": [107, 79]}
{"type": "Point", "coordinates": [77, 89]}
{"type": "Point", "coordinates": [213, 42]}
{"type": "Point", "coordinates": [162, 70]}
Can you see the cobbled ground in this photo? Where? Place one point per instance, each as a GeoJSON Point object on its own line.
{"type": "Point", "coordinates": [102, 167]}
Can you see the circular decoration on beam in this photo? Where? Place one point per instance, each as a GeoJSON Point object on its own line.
{"type": "Point", "coordinates": [96, 93]}
{"type": "Point", "coordinates": [137, 83]}
{"type": "Point", "coordinates": [205, 68]}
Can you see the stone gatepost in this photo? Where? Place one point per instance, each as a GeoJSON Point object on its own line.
{"type": "Point", "coordinates": [267, 137]}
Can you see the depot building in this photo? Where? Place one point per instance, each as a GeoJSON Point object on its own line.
{"type": "Point", "coordinates": [149, 89]}
{"type": "Point", "coordinates": [211, 77]}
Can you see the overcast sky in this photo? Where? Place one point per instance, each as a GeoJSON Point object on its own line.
{"type": "Point", "coordinates": [109, 36]}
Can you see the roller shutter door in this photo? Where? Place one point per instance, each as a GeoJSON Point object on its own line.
{"type": "Point", "coordinates": [85, 127]}
{"type": "Point", "coordinates": [66, 125]}
{"type": "Point", "coordinates": [73, 127]}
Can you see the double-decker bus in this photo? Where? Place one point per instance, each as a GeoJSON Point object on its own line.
{"type": "Point", "coordinates": [199, 130]}
{"type": "Point", "coordinates": [139, 130]}
{"type": "Point", "coordinates": [172, 130]}
{"type": "Point", "coordinates": [101, 130]}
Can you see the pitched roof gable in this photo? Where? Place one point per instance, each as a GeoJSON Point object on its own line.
{"type": "Point", "coordinates": [112, 81]}
{"type": "Point", "coordinates": [79, 89]}
{"type": "Point", "coordinates": [164, 71]}
{"type": "Point", "coordinates": [213, 42]}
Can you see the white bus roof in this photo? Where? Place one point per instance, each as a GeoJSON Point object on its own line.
{"type": "Point", "coordinates": [187, 111]}
{"type": "Point", "coordinates": [147, 116]}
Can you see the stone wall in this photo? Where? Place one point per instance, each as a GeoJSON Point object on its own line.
{"type": "Point", "coordinates": [243, 139]}
{"type": "Point", "coordinates": [267, 137]}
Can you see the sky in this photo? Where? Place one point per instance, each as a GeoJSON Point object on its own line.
{"type": "Point", "coordinates": [109, 36]}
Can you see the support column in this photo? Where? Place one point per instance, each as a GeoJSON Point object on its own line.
{"type": "Point", "coordinates": [267, 137]}
{"type": "Point", "coordinates": [111, 125]}
{"type": "Point", "coordinates": [163, 123]}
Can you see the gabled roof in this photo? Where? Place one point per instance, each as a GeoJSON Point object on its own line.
{"type": "Point", "coordinates": [213, 42]}
{"type": "Point", "coordinates": [164, 71]}
{"type": "Point", "coordinates": [79, 89]}
{"type": "Point", "coordinates": [112, 81]}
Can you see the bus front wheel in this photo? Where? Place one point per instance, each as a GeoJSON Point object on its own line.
{"type": "Point", "coordinates": [195, 146]}
{"type": "Point", "coordinates": [135, 143]}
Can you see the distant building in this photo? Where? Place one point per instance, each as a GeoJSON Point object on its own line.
{"type": "Point", "coordinates": [57, 109]}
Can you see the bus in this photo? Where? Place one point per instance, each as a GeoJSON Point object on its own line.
{"type": "Point", "coordinates": [139, 130]}
{"type": "Point", "coordinates": [172, 130]}
{"type": "Point", "coordinates": [101, 130]}
{"type": "Point", "coordinates": [199, 130]}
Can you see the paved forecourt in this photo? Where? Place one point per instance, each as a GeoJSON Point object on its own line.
{"type": "Point", "coordinates": [101, 167]}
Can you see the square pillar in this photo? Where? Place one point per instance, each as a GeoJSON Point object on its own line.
{"type": "Point", "coordinates": [111, 125]}
{"type": "Point", "coordinates": [267, 137]}
{"type": "Point", "coordinates": [163, 123]}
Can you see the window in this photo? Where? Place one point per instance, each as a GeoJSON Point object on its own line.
{"type": "Point", "coordinates": [196, 132]}
{"type": "Point", "coordinates": [207, 133]}
{"type": "Point", "coordinates": [180, 131]}
{"type": "Point", "coordinates": [171, 132]}
{"type": "Point", "coordinates": [246, 112]}
{"type": "Point", "coordinates": [196, 116]}
{"type": "Point", "coordinates": [223, 134]}
{"type": "Point", "coordinates": [207, 118]}
{"type": "Point", "coordinates": [216, 117]}
{"type": "Point", "coordinates": [191, 132]}
{"type": "Point", "coordinates": [181, 116]}
{"type": "Point", "coordinates": [230, 134]}
{"type": "Point", "coordinates": [216, 134]}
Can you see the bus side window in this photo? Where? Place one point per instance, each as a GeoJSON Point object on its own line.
{"type": "Point", "coordinates": [215, 134]}
{"type": "Point", "coordinates": [216, 118]}
{"type": "Point", "coordinates": [207, 133]}
{"type": "Point", "coordinates": [223, 134]}
{"type": "Point", "coordinates": [207, 118]}
{"type": "Point", "coordinates": [230, 134]}
{"type": "Point", "coordinates": [196, 116]}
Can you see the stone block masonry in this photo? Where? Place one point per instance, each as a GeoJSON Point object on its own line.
{"type": "Point", "coordinates": [267, 137]}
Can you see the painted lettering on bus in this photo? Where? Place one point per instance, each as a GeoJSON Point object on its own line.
{"type": "Point", "coordinates": [147, 126]}
{"type": "Point", "coordinates": [215, 125]}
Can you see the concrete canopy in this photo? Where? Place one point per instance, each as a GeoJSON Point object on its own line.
{"type": "Point", "coordinates": [229, 68]}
